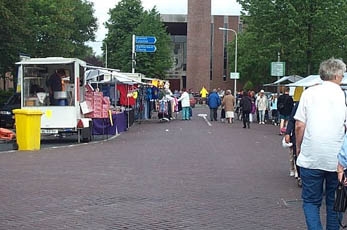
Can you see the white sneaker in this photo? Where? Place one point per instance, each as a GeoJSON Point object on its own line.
{"type": "Point", "coordinates": [291, 173]}
{"type": "Point", "coordinates": [296, 174]}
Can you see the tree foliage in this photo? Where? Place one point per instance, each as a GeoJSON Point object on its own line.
{"type": "Point", "coordinates": [60, 28]}
{"type": "Point", "coordinates": [301, 32]}
{"type": "Point", "coordinates": [42, 28]}
{"type": "Point", "coordinates": [126, 19]}
{"type": "Point", "coordinates": [13, 32]}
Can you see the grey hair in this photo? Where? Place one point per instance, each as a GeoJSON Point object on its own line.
{"type": "Point", "coordinates": [228, 92]}
{"type": "Point", "coordinates": [331, 68]}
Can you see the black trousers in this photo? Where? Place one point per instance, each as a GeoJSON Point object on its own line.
{"type": "Point", "coordinates": [245, 118]}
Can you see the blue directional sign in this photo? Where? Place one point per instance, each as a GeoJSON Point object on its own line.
{"type": "Point", "coordinates": [145, 40]}
{"type": "Point", "coordinates": [145, 48]}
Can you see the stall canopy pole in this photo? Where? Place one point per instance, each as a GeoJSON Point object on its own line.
{"type": "Point", "coordinates": [278, 77]}
{"type": "Point", "coordinates": [128, 105]}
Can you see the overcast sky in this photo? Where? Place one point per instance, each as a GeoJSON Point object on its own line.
{"type": "Point", "coordinates": [219, 7]}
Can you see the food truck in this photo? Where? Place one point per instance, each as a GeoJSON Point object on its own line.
{"type": "Point", "coordinates": [36, 94]}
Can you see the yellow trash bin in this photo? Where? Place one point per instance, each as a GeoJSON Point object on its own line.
{"type": "Point", "coordinates": [28, 128]}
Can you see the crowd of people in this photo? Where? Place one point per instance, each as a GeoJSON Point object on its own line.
{"type": "Point", "coordinates": [250, 107]}
{"type": "Point", "coordinates": [316, 140]}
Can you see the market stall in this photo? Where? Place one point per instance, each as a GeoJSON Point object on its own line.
{"type": "Point", "coordinates": [117, 97]}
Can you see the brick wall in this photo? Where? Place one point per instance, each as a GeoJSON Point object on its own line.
{"type": "Point", "coordinates": [198, 44]}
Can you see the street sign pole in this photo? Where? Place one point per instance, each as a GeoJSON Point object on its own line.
{"type": "Point", "coordinates": [133, 55]}
{"type": "Point", "coordinates": [143, 44]}
{"type": "Point", "coordinates": [278, 77]}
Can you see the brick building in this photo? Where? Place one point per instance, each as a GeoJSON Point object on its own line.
{"type": "Point", "coordinates": [199, 47]}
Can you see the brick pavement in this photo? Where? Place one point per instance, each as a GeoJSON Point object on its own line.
{"type": "Point", "coordinates": [175, 175]}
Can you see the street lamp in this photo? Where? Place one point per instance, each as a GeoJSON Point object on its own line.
{"type": "Point", "coordinates": [226, 29]}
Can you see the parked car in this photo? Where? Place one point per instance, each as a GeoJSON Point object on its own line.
{"type": "Point", "coordinates": [6, 114]}
{"type": "Point", "coordinates": [192, 100]}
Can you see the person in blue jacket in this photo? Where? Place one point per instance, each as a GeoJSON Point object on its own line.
{"type": "Point", "coordinates": [213, 102]}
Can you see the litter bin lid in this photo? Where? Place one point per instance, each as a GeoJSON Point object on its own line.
{"type": "Point", "coordinates": [27, 111]}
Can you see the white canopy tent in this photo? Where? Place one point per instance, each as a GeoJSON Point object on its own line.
{"type": "Point", "coordinates": [291, 78]}
{"type": "Point", "coordinates": [313, 80]}
{"type": "Point", "coordinates": [107, 76]}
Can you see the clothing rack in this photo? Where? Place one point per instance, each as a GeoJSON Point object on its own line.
{"type": "Point", "coordinates": [164, 108]}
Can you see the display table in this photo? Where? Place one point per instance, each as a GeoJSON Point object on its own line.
{"type": "Point", "coordinates": [102, 126]}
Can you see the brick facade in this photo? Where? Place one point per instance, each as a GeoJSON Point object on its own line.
{"type": "Point", "coordinates": [198, 44]}
{"type": "Point", "coordinates": [205, 46]}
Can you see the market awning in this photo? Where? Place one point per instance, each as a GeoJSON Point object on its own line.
{"type": "Point", "coordinates": [125, 79]}
{"type": "Point", "coordinates": [307, 81]}
{"type": "Point", "coordinates": [98, 75]}
{"type": "Point", "coordinates": [50, 60]}
{"type": "Point", "coordinates": [314, 80]}
{"type": "Point", "coordinates": [106, 76]}
{"type": "Point", "coordinates": [285, 79]}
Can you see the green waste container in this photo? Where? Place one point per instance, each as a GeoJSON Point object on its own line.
{"type": "Point", "coordinates": [28, 128]}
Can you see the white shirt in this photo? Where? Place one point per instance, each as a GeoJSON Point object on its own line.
{"type": "Point", "coordinates": [185, 99]}
{"type": "Point", "coordinates": [261, 102]}
{"type": "Point", "coordinates": [323, 110]}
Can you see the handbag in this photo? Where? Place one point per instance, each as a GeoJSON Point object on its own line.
{"type": "Point", "coordinates": [340, 203]}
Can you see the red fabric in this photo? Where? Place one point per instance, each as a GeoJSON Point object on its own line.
{"type": "Point", "coordinates": [124, 90]}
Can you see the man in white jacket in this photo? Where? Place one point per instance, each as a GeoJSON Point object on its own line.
{"type": "Point", "coordinates": [262, 105]}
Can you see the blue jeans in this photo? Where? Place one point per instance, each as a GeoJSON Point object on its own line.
{"type": "Point", "coordinates": [312, 195]}
{"type": "Point", "coordinates": [261, 115]}
{"type": "Point", "coordinates": [185, 113]}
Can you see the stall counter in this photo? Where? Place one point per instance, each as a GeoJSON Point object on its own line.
{"type": "Point", "coordinates": [103, 126]}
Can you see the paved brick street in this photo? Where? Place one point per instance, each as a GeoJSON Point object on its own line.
{"type": "Point", "coordinates": [157, 175]}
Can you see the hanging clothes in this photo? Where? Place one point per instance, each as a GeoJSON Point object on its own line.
{"type": "Point", "coordinates": [126, 94]}
{"type": "Point", "coordinates": [155, 92]}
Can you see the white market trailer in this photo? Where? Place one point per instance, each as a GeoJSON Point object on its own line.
{"type": "Point", "coordinates": [33, 75]}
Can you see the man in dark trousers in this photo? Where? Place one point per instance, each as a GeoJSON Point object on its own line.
{"type": "Point", "coordinates": [290, 138]}
{"type": "Point", "coordinates": [246, 107]}
{"type": "Point", "coordinates": [213, 102]}
{"type": "Point", "coordinates": [284, 107]}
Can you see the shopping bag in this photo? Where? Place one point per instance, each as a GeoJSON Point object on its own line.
{"type": "Point", "coordinates": [340, 203]}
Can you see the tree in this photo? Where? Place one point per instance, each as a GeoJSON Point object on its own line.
{"type": "Point", "coordinates": [13, 32]}
{"type": "Point", "coordinates": [126, 19]}
{"type": "Point", "coordinates": [154, 64]}
{"type": "Point", "coordinates": [42, 28]}
{"type": "Point", "coordinates": [61, 27]}
{"type": "Point", "coordinates": [303, 32]}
